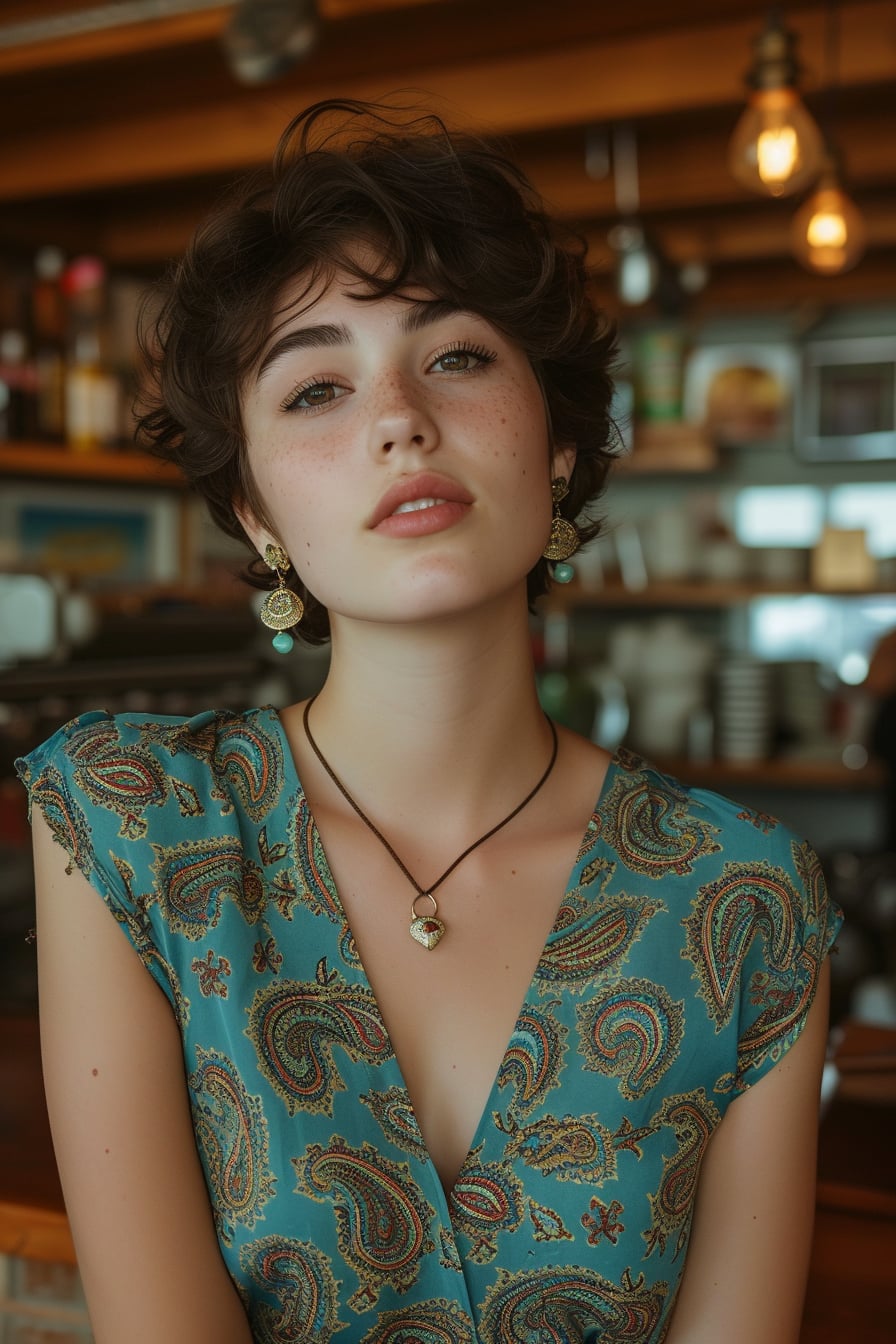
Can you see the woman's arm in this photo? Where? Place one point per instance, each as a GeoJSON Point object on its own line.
{"type": "Point", "coordinates": [119, 1112]}
{"type": "Point", "coordinates": [745, 1277]}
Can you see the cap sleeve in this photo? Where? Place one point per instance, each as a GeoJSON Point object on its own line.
{"type": "Point", "coordinates": [790, 929]}
{"type": "Point", "coordinates": [757, 931]}
{"type": "Point", "coordinates": [82, 779]}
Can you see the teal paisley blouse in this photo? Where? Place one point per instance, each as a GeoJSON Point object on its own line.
{"type": "Point", "coordinates": [680, 968]}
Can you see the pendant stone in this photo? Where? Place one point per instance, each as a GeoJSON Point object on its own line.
{"type": "Point", "coordinates": [427, 930]}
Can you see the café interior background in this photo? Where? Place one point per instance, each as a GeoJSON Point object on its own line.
{"type": "Point", "coordinates": [725, 622]}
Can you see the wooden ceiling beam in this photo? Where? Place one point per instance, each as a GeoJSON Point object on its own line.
{"type": "Point", "coordinates": [652, 74]}
{"type": "Point", "coordinates": [106, 44]}
{"type": "Point", "coordinates": [148, 35]}
{"type": "Point", "coordinates": [689, 168]}
{"type": "Point", "coordinates": [782, 285]}
{"type": "Point", "coordinates": [752, 235]}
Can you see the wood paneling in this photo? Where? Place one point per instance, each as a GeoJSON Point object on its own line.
{"type": "Point", "coordinates": [122, 140]}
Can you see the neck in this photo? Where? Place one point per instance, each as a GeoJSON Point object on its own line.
{"type": "Point", "coordinates": [440, 720]}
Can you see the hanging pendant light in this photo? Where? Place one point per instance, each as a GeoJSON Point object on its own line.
{"type": "Point", "coordinates": [828, 231]}
{"type": "Point", "coordinates": [265, 38]}
{"type": "Point", "coordinates": [776, 148]}
{"type": "Point", "coordinates": [637, 259]}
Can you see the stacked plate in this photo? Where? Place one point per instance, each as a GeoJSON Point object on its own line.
{"type": "Point", "coordinates": [744, 710]}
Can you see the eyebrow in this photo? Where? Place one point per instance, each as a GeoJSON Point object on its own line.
{"type": "Point", "coordinates": [421, 313]}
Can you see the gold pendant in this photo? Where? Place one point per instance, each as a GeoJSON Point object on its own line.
{"type": "Point", "coordinates": [427, 930]}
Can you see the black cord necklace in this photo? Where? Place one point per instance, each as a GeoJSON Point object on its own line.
{"type": "Point", "coordinates": [426, 930]}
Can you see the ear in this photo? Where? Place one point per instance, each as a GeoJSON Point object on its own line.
{"type": "Point", "coordinates": [563, 459]}
{"type": "Point", "coordinates": [257, 533]}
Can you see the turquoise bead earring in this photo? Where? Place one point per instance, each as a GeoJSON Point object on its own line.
{"type": "Point", "coordinates": [564, 539]}
{"type": "Point", "coordinates": [282, 608]}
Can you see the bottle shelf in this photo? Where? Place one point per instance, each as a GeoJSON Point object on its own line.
{"type": "Point", "coordinates": [115, 467]}
{"type": "Point", "coordinates": [691, 593]}
{"type": "Point", "coordinates": [668, 448]}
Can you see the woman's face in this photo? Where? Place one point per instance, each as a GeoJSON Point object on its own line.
{"type": "Point", "coordinates": [401, 451]}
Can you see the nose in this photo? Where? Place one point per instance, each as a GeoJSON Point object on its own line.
{"type": "Point", "coordinates": [402, 420]}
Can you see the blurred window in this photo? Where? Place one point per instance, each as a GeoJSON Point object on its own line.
{"type": "Point", "coordinates": [872, 507]}
{"type": "Point", "coordinates": [838, 632]}
{"type": "Point", "coordinates": [785, 515]}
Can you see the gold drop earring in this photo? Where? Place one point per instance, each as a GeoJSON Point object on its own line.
{"type": "Point", "coordinates": [282, 608]}
{"type": "Point", "coordinates": [564, 539]}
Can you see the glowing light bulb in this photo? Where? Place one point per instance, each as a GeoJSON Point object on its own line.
{"type": "Point", "coordinates": [828, 230]}
{"type": "Point", "coordinates": [777, 152]}
{"type": "Point", "coordinates": [776, 148]}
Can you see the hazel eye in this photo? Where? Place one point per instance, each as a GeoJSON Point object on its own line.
{"type": "Point", "coordinates": [312, 396]}
{"type": "Point", "coordinates": [457, 359]}
{"type": "Point", "coordinates": [462, 359]}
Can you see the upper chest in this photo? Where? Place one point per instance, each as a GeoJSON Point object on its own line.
{"type": "Point", "coordinates": [450, 1011]}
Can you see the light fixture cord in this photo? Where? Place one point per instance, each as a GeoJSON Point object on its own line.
{"type": "Point", "coordinates": [831, 69]}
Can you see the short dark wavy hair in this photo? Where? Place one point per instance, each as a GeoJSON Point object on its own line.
{"type": "Point", "coordinates": [441, 210]}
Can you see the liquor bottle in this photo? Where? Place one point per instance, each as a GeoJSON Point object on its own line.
{"type": "Point", "coordinates": [48, 344]}
{"type": "Point", "coordinates": [16, 387]}
{"type": "Point", "coordinates": [92, 390]}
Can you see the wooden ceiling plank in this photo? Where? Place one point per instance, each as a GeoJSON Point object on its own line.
{"type": "Point", "coordinates": [150, 35]}
{"type": "Point", "coordinates": [783, 284]}
{"type": "Point", "coordinates": [691, 169]}
{"type": "Point", "coordinates": [154, 35]}
{"type": "Point", "coordinates": [592, 82]}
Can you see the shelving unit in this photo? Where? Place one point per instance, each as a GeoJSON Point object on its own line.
{"type": "Point", "coordinates": [693, 593]}
{"type": "Point", "coordinates": [122, 467]}
{"type": "Point", "coordinates": [776, 773]}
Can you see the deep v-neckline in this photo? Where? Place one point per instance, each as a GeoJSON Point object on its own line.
{"type": "Point", "coordinates": [322, 876]}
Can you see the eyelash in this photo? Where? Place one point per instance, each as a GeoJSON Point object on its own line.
{"type": "Point", "coordinates": [291, 403]}
{"type": "Point", "coordinates": [465, 348]}
{"type": "Point", "coordinates": [479, 352]}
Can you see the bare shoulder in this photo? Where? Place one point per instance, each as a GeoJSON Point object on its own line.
{"type": "Point", "coordinates": [122, 1131]}
{"type": "Point", "coordinates": [582, 768]}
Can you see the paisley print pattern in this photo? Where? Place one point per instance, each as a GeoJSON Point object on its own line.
{"type": "Point", "coordinates": [294, 1027]}
{"type": "Point", "coordinates": [693, 1119]}
{"type": "Point", "coordinates": [653, 827]}
{"type": "Point", "coordinates": [576, 1148]}
{"type": "Point", "coordinates": [547, 1224]}
{"type": "Point", "coordinates": [382, 1219]}
{"type": "Point", "coordinates": [317, 890]}
{"type": "Point", "coordinates": [756, 901]}
{"type": "Point", "coordinates": [251, 761]}
{"type": "Point", "coordinates": [300, 1279]}
{"type": "Point", "coordinates": [395, 1115]}
{"type": "Point", "coordinates": [487, 1198]}
{"type": "Point", "coordinates": [534, 1058]}
{"type": "Point", "coordinates": [591, 939]}
{"type": "Point", "coordinates": [543, 1306]}
{"type": "Point", "coordinates": [126, 781]}
{"type": "Point", "coordinates": [440, 1322]}
{"type": "Point", "coordinates": [680, 967]}
{"type": "Point", "coordinates": [632, 1032]}
{"type": "Point", "coordinates": [65, 818]}
{"type": "Point", "coordinates": [192, 881]}
{"type": "Point", "coordinates": [232, 1136]}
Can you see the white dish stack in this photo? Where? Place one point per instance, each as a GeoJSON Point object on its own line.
{"type": "Point", "coordinates": [744, 710]}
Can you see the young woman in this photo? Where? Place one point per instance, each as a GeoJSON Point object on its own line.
{"type": "Point", "coordinates": [432, 1022]}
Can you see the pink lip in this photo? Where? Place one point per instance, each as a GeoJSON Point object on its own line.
{"type": "Point", "coordinates": [425, 485]}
